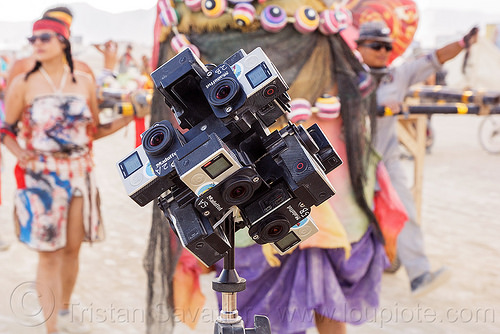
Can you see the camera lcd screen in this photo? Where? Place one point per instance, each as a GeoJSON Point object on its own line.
{"type": "Point", "coordinates": [287, 242]}
{"type": "Point", "coordinates": [216, 166]}
{"type": "Point", "coordinates": [130, 165]}
{"type": "Point", "coordinates": [258, 75]}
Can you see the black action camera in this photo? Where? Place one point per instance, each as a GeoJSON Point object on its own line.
{"type": "Point", "coordinates": [229, 159]}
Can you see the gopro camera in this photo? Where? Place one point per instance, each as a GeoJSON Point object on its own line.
{"type": "Point", "coordinates": [229, 157]}
{"type": "Point", "coordinates": [299, 232]}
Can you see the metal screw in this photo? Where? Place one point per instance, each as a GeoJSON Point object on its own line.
{"type": "Point", "coordinates": [256, 179]}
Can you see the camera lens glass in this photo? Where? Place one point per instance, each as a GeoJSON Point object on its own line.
{"type": "Point", "coordinates": [222, 92]}
{"type": "Point", "coordinates": [238, 190]}
{"type": "Point", "coordinates": [275, 229]}
{"type": "Point", "coordinates": [156, 139]}
{"type": "Point", "coordinates": [272, 229]}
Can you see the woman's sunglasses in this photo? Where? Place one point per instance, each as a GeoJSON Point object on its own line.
{"type": "Point", "coordinates": [378, 45]}
{"type": "Point", "coordinates": [44, 38]}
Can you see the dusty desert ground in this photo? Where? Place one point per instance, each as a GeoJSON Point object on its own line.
{"type": "Point", "coordinates": [461, 221]}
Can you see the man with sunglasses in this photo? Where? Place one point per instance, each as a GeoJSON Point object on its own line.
{"type": "Point", "coordinates": [375, 46]}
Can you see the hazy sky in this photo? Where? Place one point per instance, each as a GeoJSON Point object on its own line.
{"type": "Point", "coordinates": [482, 5]}
{"type": "Point", "coordinates": [30, 10]}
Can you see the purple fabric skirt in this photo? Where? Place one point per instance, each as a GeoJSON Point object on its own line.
{"type": "Point", "coordinates": [308, 281]}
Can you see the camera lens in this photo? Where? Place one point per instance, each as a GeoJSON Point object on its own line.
{"type": "Point", "coordinates": [157, 139]}
{"type": "Point", "coordinates": [222, 92]}
{"type": "Point", "coordinates": [275, 229]}
{"type": "Point", "coordinates": [238, 190]}
{"type": "Point", "coordinates": [272, 229]}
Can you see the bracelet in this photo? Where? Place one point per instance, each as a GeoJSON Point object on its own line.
{"type": "Point", "coordinates": [8, 130]}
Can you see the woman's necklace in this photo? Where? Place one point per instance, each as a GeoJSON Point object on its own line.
{"type": "Point", "coordinates": [57, 90]}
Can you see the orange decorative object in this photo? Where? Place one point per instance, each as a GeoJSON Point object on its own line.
{"type": "Point", "coordinates": [401, 16]}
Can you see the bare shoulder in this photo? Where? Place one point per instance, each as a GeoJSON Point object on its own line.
{"type": "Point", "coordinates": [86, 81]}
{"type": "Point", "coordinates": [16, 97]}
{"type": "Point", "coordinates": [83, 76]}
{"type": "Point", "coordinates": [18, 82]}
{"type": "Point", "coordinates": [82, 66]}
{"type": "Point", "coordinates": [20, 66]}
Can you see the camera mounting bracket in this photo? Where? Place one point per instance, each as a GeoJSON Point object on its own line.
{"type": "Point", "coordinates": [229, 283]}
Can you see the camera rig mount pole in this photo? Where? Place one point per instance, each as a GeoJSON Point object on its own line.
{"type": "Point", "coordinates": [229, 283]}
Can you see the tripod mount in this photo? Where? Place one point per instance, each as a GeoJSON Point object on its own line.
{"type": "Point", "coordinates": [229, 283]}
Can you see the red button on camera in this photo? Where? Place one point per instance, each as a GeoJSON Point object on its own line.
{"type": "Point", "coordinates": [300, 166]}
{"type": "Point", "coordinates": [270, 90]}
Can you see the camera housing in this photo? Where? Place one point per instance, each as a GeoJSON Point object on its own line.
{"type": "Point", "coordinates": [249, 88]}
{"type": "Point", "coordinates": [209, 164]}
{"type": "Point", "coordinates": [161, 143]}
{"type": "Point", "coordinates": [271, 215]}
{"type": "Point", "coordinates": [299, 232]}
{"type": "Point", "coordinates": [223, 91]}
{"type": "Point", "coordinates": [139, 179]}
{"type": "Point", "coordinates": [237, 189]}
{"type": "Point", "coordinates": [196, 233]}
{"type": "Point", "coordinates": [229, 158]}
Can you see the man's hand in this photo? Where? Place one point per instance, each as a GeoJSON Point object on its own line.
{"type": "Point", "coordinates": [471, 37]}
{"type": "Point", "coordinates": [449, 51]}
{"type": "Point", "coordinates": [392, 107]}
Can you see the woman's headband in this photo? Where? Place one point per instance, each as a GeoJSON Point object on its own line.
{"type": "Point", "coordinates": [61, 15]}
{"type": "Point", "coordinates": [49, 23]}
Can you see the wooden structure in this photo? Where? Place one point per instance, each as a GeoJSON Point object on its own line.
{"type": "Point", "coordinates": [423, 101]}
{"type": "Point", "coordinates": [412, 134]}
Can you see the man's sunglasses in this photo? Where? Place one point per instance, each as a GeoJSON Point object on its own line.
{"type": "Point", "coordinates": [378, 45]}
{"type": "Point", "coordinates": [44, 38]}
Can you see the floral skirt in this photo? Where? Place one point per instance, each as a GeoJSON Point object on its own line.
{"type": "Point", "coordinates": [43, 198]}
{"type": "Point", "coordinates": [312, 280]}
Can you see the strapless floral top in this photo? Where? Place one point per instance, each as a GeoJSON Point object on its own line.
{"type": "Point", "coordinates": [59, 123]}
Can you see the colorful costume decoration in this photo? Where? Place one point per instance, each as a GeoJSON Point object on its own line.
{"type": "Point", "coordinates": [401, 16]}
{"type": "Point", "coordinates": [289, 293]}
{"type": "Point", "coordinates": [296, 49]}
{"type": "Point", "coordinates": [57, 128]}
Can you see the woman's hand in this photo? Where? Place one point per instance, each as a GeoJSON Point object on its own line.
{"type": "Point", "coordinates": [24, 156]}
